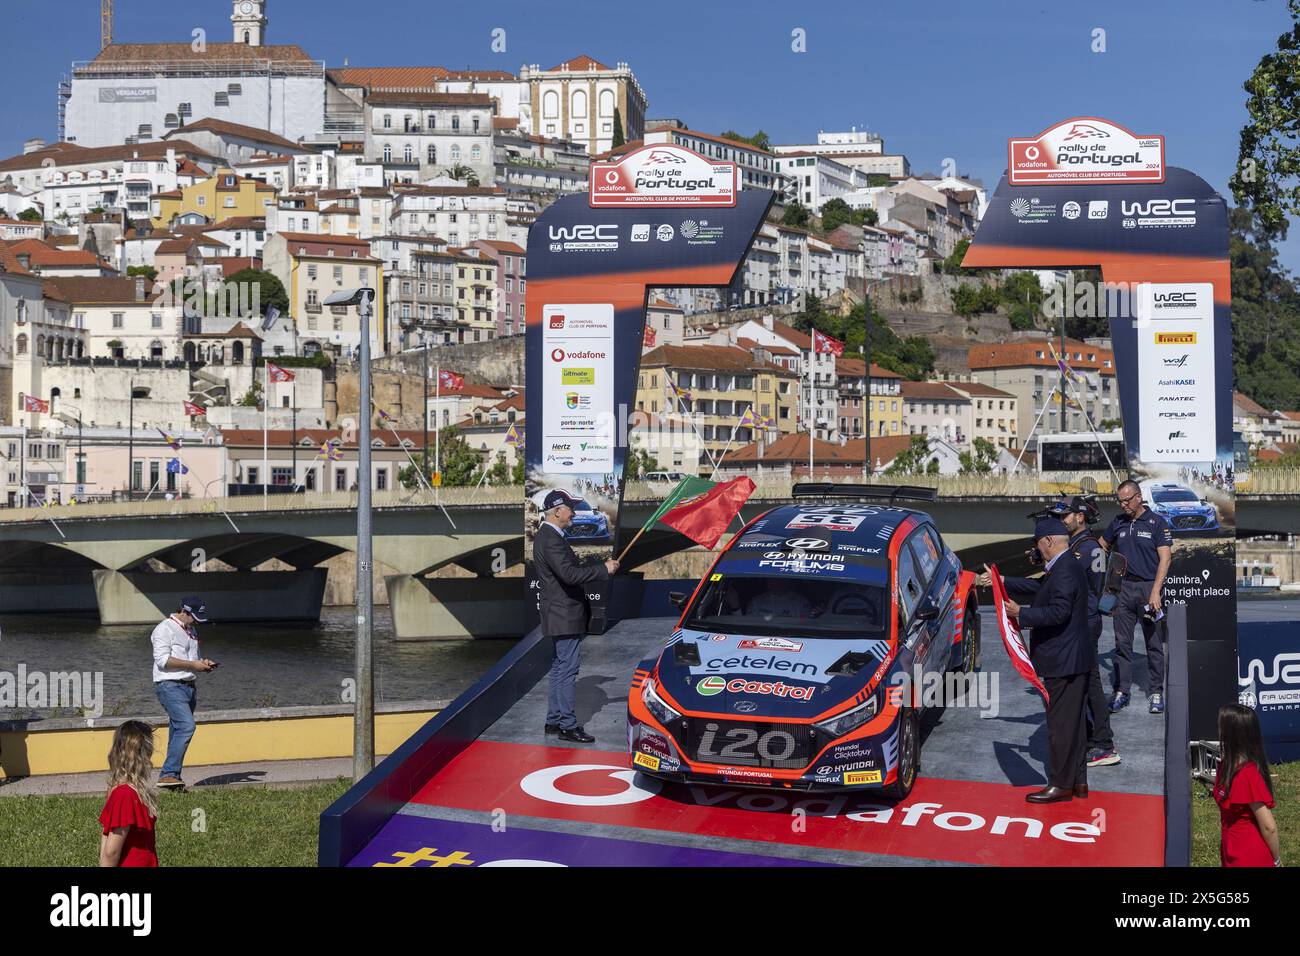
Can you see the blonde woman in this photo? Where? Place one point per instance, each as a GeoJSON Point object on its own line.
{"type": "Point", "coordinates": [130, 812]}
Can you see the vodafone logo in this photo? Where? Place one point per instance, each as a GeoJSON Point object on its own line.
{"type": "Point", "coordinates": [557, 355]}
{"type": "Point", "coordinates": [1033, 152]}
{"type": "Point", "coordinates": [544, 785]}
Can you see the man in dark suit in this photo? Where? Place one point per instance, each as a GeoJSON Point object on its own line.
{"type": "Point", "coordinates": [562, 580]}
{"type": "Point", "coordinates": [1062, 651]}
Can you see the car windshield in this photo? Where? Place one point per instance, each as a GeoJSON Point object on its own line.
{"type": "Point", "coordinates": [779, 605]}
{"type": "Point", "coordinates": [583, 506]}
{"type": "Point", "coordinates": [1176, 496]}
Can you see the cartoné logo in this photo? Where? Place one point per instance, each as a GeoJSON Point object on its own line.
{"type": "Point", "coordinates": [658, 157]}
{"type": "Point", "coordinates": [711, 686]}
{"type": "Point", "coordinates": [1085, 131]}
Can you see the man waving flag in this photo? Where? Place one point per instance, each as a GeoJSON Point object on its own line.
{"type": "Point", "coordinates": [1011, 637]}
{"type": "Point", "coordinates": [700, 509]}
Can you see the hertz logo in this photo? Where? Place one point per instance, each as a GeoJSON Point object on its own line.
{"type": "Point", "coordinates": [1175, 338]}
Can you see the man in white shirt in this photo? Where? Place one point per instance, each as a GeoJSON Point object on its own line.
{"type": "Point", "coordinates": [176, 661]}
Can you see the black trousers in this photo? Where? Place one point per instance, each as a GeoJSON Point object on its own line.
{"type": "Point", "coordinates": [1128, 612]}
{"type": "Point", "coordinates": [1067, 735]}
{"type": "Point", "coordinates": [1099, 732]}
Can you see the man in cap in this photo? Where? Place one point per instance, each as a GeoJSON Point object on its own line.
{"type": "Point", "coordinates": [562, 579]}
{"type": "Point", "coordinates": [1062, 651]}
{"type": "Point", "coordinates": [176, 661]}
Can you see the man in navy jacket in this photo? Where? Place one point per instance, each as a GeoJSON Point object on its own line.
{"type": "Point", "coordinates": [1062, 651]}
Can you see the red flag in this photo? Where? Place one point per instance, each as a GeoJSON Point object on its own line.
{"type": "Point", "coordinates": [704, 518]}
{"type": "Point", "coordinates": [1010, 628]}
{"type": "Point", "coordinates": [192, 409]}
{"type": "Point", "coordinates": [824, 343]}
{"type": "Point", "coordinates": [450, 381]}
{"type": "Point", "coordinates": [649, 340]}
{"type": "Point", "coordinates": [33, 404]}
{"type": "Point", "coordinates": [277, 374]}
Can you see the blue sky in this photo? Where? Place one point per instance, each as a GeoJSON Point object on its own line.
{"type": "Point", "coordinates": [944, 78]}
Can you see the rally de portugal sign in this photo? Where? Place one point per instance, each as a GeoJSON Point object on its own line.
{"type": "Point", "coordinates": [664, 175]}
{"type": "Point", "coordinates": [1086, 150]}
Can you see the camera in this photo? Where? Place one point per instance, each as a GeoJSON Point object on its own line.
{"type": "Point", "coordinates": [1035, 558]}
{"type": "Point", "coordinates": [1152, 615]}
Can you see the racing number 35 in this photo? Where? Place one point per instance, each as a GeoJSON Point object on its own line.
{"type": "Point", "coordinates": [747, 742]}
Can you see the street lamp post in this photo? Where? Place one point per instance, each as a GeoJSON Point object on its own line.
{"type": "Point", "coordinates": [363, 721]}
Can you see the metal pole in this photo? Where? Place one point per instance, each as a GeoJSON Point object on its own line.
{"type": "Point", "coordinates": [363, 721]}
{"type": "Point", "coordinates": [81, 454]}
{"type": "Point", "coordinates": [293, 391]}
{"type": "Point", "coordinates": [1062, 371]}
{"type": "Point", "coordinates": [130, 445]}
{"type": "Point", "coordinates": [424, 401]}
{"type": "Point", "coordinates": [866, 421]}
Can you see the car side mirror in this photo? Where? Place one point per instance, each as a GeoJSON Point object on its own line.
{"type": "Point", "coordinates": [677, 598]}
{"type": "Point", "coordinates": [927, 610]}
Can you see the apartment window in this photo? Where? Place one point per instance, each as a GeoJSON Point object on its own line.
{"type": "Point", "coordinates": [432, 154]}
{"type": "Point", "coordinates": [388, 121]}
{"type": "Point", "coordinates": [338, 274]}
{"type": "Point", "coordinates": [381, 479]}
{"type": "Point", "coordinates": [341, 480]}
{"type": "Point", "coordinates": [119, 320]}
{"type": "Point", "coordinates": [312, 298]}
{"type": "Point", "coordinates": [222, 99]}
{"type": "Point", "coordinates": [311, 270]}
{"type": "Point", "coordinates": [455, 122]}
{"type": "Point", "coordinates": [388, 153]}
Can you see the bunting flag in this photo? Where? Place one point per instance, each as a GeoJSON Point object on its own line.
{"type": "Point", "coordinates": [191, 409]}
{"type": "Point", "coordinates": [749, 418]}
{"type": "Point", "coordinates": [679, 392]}
{"type": "Point", "coordinates": [1010, 628]}
{"type": "Point", "coordinates": [33, 404]}
{"type": "Point", "coordinates": [512, 436]}
{"type": "Point", "coordinates": [824, 343]}
{"type": "Point", "coordinates": [176, 467]}
{"type": "Point", "coordinates": [386, 419]}
{"type": "Point", "coordinates": [329, 452]}
{"type": "Point", "coordinates": [277, 374]}
{"type": "Point", "coordinates": [1064, 366]}
{"type": "Point", "coordinates": [169, 440]}
{"type": "Point", "coordinates": [1069, 401]}
{"type": "Point", "coordinates": [450, 381]}
{"type": "Point", "coordinates": [649, 340]}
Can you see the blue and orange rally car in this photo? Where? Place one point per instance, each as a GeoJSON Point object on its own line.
{"type": "Point", "coordinates": [796, 661]}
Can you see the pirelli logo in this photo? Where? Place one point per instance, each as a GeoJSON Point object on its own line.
{"type": "Point", "coordinates": [1175, 338]}
{"type": "Point", "coordinates": [647, 761]}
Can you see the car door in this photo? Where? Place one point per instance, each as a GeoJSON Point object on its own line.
{"type": "Point", "coordinates": [938, 583]}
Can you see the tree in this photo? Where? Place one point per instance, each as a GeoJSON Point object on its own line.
{"type": "Point", "coordinates": [270, 290]}
{"type": "Point", "coordinates": [796, 214]}
{"type": "Point", "coordinates": [870, 217]}
{"type": "Point", "coordinates": [879, 179]}
{"type": "Point", "coordinates": [149, 272]}
{"type": "Point", "coordinates": [835, 213]}
{"type": "Point", "coordinates": [461, 172]}
{"type": "Point", "coordinates": [912, 459]}
{"type": "Point", "coordinates": [253, 397]}
{"type": "Point", "coordinates": [641, 463]}
{"type": "Point", "coordinates": [618, 138]}
{"type": "Point", "coordinates": [1268, 162]}
{"type": "Point", "coordinates": [980, 460]}
{"type": "Point", "coordinates": [759, 139]}
{"type": "Point", "coordinates": [1265, 316]}
{"type": "Point", "coordinates": [952, 265]}
{"type": "Point", "coordinates": [30, 215]}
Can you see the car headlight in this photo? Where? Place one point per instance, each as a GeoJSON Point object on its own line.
{"type": "Point", "coordinates": [841, 724]}
{"type": "Point", "coordinates": [661, 711]}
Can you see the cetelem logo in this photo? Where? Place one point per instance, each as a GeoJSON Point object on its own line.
{"type": "Point", "coordinates": [1175, 338]}
{"type": "Point", "coordinates": [711, 686]}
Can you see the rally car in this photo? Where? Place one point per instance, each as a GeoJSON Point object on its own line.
{"type": "Point", "coordinates": [800, 659]}
{"type": "Point", "coordinates": [1186, 511]}
{"type": "Point", "coordinates": [589, 523]}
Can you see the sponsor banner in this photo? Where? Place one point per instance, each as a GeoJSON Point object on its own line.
{"type": "Point", "coordinates": [959, 821]}
{"type": "Point", "coordinates": [1176, 363]}
{"type": "Point", "coordinates": [663, 175]}
{"type": "Point", "coordinates": [1268, 675]}
{"type": "Point", "coordinates": [408, 840]}
{"type": "Point", "coordinates": [128, 94]}
{"type": "Point", "coordinates": [578, 429]}
{"type": "Point", "coordinates": [1086, 150]}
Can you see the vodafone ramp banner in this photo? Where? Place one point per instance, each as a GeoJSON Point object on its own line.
{"type": "Point", "coordinates": [1009, 628]}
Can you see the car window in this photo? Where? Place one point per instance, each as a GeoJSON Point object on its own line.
{"type": "Point", "coordinates": [926, 545]}
{"type": "Point", "coordinates": [910, 587]}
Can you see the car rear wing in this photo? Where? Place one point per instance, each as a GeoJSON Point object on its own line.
{"type": "Point", "coordinates": [842, 490]}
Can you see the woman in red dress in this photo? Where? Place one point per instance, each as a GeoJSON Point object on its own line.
{"type": "Point", "coordinates": [1243, 789]}
{"type": "Point", "coordinates": [131, 810]}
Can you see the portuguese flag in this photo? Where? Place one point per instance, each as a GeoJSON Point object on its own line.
{"type": "Point", "coordinates": [700, 509]}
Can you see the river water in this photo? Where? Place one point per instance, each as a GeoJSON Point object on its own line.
{"type": "Point", "coordinates": [261, 665]}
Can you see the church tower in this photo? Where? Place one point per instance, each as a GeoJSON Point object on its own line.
{"type": "Point", "coordinates": [249, 20]}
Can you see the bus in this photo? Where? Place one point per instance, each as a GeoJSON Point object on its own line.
{"type": "Point", "coordinates": [1083, 459]}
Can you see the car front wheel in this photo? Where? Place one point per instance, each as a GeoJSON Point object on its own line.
{"type": "Point", "coordinates": [909, 756]}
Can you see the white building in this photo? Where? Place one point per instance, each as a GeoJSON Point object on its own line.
{"type": "Point", "coordinates": [135, 92]}
{"type": "Point", "coordinates": [853, 142]}
{"type": "Point", "coordinates": [813, 180]}
{"type": "Point", "coordinates": [121, 318]}
{"type": "Point", "coordinates": [577, 100]}
{"type": "Point", "coordinates": [418, 136]}
{"type": "Point", "coordinates": [459, 214]}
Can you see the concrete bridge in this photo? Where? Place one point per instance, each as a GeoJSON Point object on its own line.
{"type": "Point", "coordinates": [132, 562]}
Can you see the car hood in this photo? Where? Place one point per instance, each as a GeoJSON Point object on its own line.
{"type": "Point", "coordinates": [768, 676]}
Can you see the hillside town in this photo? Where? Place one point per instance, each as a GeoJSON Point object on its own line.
{"type": "Point", "coordinates": [165, 267]}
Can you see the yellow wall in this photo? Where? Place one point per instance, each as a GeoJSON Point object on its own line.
{"type": "Point", "coordinates": [250, 200]}
{"type": "Point", "coordinates": [81, 750]}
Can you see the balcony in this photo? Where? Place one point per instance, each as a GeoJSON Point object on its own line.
{"type": "Point", "coordinates": [313, 308]}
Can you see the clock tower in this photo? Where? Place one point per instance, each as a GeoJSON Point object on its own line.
{"type": "Point", "coordinates": [249, 19]}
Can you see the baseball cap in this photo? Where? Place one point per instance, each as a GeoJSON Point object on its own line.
{"type": "Point", "coordinates": [1047, 527]}
{"type": "Point", "coordinates": [556, 498]}
{"type": "Point", "coordinates": [195, 608]}
{"type": "Point", "coordinates": [1082, 505]}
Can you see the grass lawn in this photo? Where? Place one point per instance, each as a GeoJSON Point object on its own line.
{"type": "Point", "coordinates": [247, 826]}
{"type": "Point", "coordinates": [1286, 796]}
